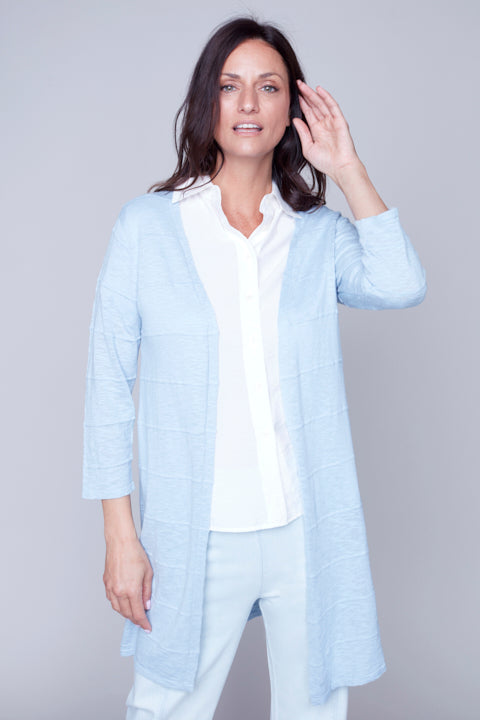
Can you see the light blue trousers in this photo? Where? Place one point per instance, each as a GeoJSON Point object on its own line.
{"type": "Point", "coordinates": [268, 564]}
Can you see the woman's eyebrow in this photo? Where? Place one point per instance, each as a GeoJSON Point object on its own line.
{"type": "Point", "coordinates": [262, 75]}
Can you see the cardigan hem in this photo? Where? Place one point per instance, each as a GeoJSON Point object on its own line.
{"type": "Point", "coordinates": [319, 698]}
{"type": "Point", "coordinates": [163, 679]}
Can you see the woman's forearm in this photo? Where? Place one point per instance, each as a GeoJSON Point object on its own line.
{"type": "Point", "coordinates": [361, 195]}
{"type": "Point", "coordinates": [118, 519]}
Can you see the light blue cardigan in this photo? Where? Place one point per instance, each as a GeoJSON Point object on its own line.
{"type": "Point", "coordinates": [149, 294]}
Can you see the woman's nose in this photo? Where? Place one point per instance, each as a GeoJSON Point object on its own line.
{"type": "Point", "coordinates": [248, 100]}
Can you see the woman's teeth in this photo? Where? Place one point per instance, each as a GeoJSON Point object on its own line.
{"type": "Point", "coordinates": [247, 128]}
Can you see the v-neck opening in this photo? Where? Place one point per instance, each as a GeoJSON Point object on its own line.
{"type": "Point", "coordinates": [200, 287]}
{"type": "Point", "coordinates": [227, 225]}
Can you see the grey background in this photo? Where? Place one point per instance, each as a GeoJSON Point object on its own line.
{"type": "Point", "coordinates": [88, 95]}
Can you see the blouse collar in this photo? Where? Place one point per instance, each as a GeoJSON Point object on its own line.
{"type": "Point", "coordinates": [203, 184]}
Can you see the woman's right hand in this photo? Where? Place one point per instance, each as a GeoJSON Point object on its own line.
{"type": "Point", "coordinates": [128, 579]}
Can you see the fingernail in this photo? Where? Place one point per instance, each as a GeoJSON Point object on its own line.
{"type": "Point", "coordinates": [147, 631]}
{"type": "Point", "coordinates": [147, 605]}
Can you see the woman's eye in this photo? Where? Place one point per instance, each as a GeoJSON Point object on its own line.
{"type": "Point", "coordinates": [270, 88]}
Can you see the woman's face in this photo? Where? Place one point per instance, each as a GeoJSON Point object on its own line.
{"type": "Point", "coordinates": [247, 97]}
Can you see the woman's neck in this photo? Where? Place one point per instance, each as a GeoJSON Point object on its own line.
{"type": "Point", "coordinates": [243, 186]}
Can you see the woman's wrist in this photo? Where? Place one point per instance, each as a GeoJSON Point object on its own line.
{"type": "Point", "coordinates": [118, 520]}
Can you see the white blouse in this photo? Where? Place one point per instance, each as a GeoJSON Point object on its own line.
{"type": "Point", "coordinates": [255, 481]}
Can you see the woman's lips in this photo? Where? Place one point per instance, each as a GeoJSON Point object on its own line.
{"type": "Point", "coordinates": [247, 131]}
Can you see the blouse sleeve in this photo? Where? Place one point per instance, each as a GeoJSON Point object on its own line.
{"type": "Point", "coordinates": [114, 342]}
{"type": "Point", "coordinates": [376, 265]}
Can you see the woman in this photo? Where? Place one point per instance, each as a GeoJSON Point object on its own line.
{"type": "Point", "coordinates": [228, 276]}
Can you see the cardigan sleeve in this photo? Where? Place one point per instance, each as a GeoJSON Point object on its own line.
{"type": "Point", "coordinates": [114, 342]}
{"type": "Point", "coordinates": [376, 265]}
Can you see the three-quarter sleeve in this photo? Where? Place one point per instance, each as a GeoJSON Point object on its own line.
{"type": "Point", "coordinates": [114, 342]}
{"type": "Point", "coordinates": [376, 265]}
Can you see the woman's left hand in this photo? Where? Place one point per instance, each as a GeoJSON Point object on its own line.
{"type": "Point", "coordinates": [326, 140]}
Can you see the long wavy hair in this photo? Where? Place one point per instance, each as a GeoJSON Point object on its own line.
{"type": "Point", "coordinates": [197, 148]}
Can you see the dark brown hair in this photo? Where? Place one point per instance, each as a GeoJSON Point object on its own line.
{"type": "Point", "coordinates": [197, 149]}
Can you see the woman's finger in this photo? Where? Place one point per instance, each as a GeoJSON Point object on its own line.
{"type": "Point", "coordinates": [323, 98]}
{"type": "Point", "coordinates": [304, 103]}
{"type": "Point", "coordinates": [314, 109]}
{"type": "Point", "coordinates": [147, 588]}
{"type": "Point", "coordinates": [303, 131]}
{"type": "Point", "coordinates": [138, 611]}
{"type": "Point", "coordinates": [330, 101]}
{"type": "Point", "coordinates": [314, 100]}
{"type": "Point", "coordinates": [309, 113]}
{"type": "Point", "coordinates": [123, 606]}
